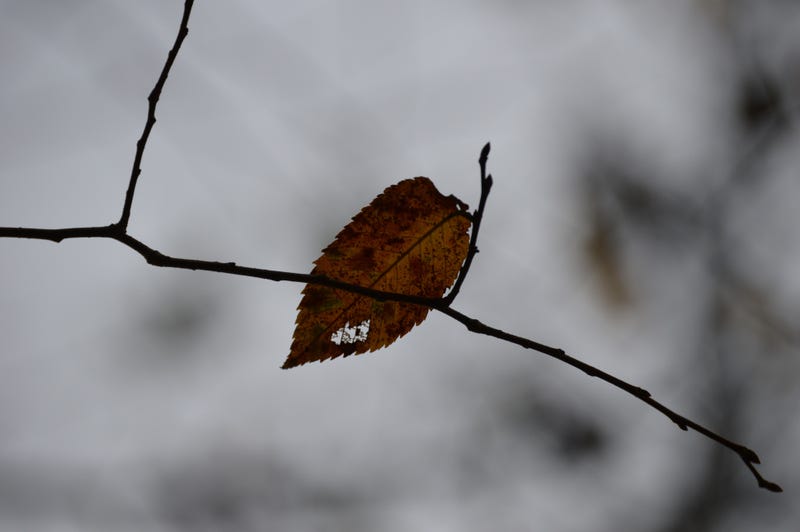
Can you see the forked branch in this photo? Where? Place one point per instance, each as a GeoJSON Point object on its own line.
{"type": "Point", "coordinates": [119, 231]}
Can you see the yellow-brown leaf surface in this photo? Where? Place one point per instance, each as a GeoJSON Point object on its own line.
{"type": "Point", "coordinates": [410, 240]}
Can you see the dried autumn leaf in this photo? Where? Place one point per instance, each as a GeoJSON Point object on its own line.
{"type": "Point", "coordinates": [410, 240]}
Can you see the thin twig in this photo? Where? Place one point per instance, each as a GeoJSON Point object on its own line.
{"type": "Point", "coordinates": [748, 456]}
{"type": "Point", "coordinates": [152, 101]}
{"type": "Point", "coordinates": [486, 187]}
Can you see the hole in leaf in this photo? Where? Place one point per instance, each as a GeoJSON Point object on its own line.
{"type": "Point", "coordinates": [351, 335]}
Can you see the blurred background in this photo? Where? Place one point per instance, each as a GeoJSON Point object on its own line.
{"type": "Point", "coordinates": [643, 218]}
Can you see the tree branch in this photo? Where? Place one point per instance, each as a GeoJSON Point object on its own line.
{"type": "Point", "coordinates": [152, 101]}
{"type": "Point", "coordinates": [443, 305]}
{"type": "Point", "coordinates": [486, 187]}
{"type": "Point", "coordinates": [156, 258]}
{"type": "Point", "coordinates": [748, 456]}
{"type": "Point", "coordinates": [118, 232]}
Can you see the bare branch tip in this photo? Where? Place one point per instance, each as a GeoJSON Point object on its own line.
{"type": "Point", "coordinates": [485, 153]}
{"type": "Point", "coordinates": [771, 486]}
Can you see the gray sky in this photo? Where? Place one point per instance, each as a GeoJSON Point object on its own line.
{"type": "Point", "coordinates": [133, 398]}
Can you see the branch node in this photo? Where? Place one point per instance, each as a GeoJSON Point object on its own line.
{"type": "Point", "coordinates": [641, 393]}
{"type": "Point", "coordinates": [749, 455]}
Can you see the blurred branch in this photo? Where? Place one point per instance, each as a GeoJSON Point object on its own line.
{"type": "Point", "coordinates": [756, 305]}
{"type": "Point", "coordinates": [118, 232]}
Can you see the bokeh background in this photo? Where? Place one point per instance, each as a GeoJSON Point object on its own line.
{"type": "Point", "coordinates": [644, 218]}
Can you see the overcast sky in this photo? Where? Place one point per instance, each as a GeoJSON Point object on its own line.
{"type": "Point", "coordinates": [134, 398]}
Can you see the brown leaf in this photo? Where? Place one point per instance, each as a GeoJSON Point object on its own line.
{"type": "Point", "coordinates": [410, 240]}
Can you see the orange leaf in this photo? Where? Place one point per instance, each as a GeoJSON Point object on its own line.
{"type": "Point", "coordinates": [410, 240]}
